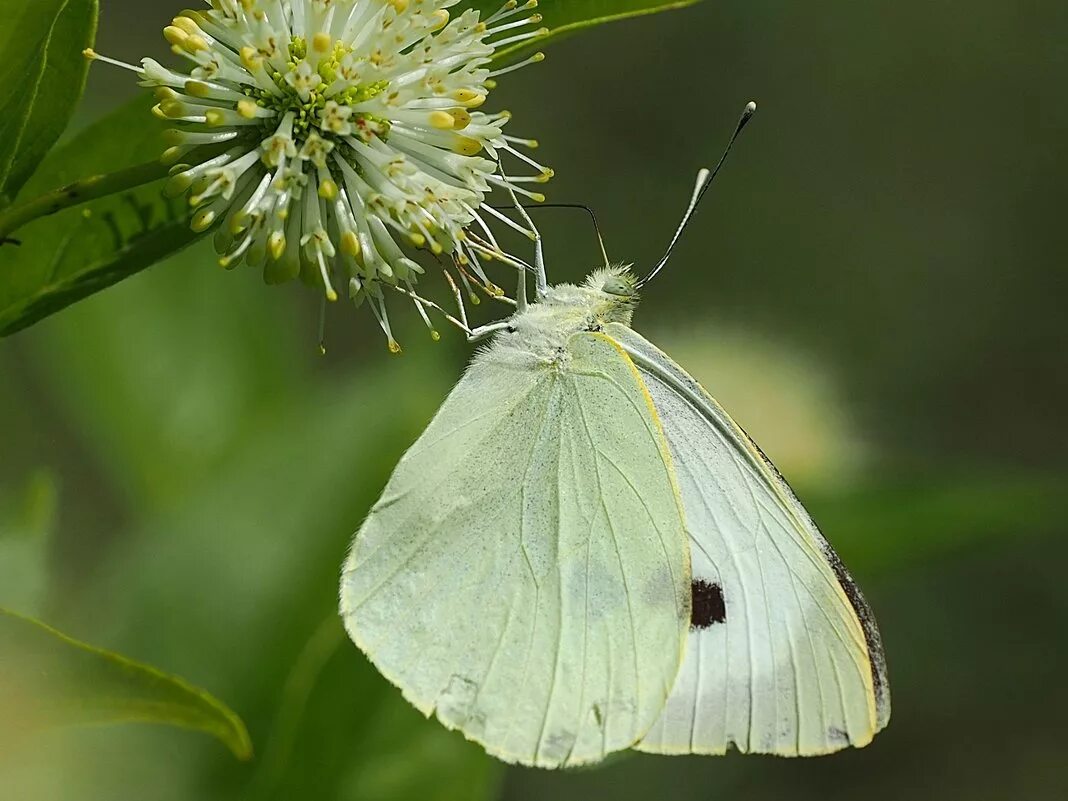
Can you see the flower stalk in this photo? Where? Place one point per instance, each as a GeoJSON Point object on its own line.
{"type": "Point", "coordinates": [76, 193]}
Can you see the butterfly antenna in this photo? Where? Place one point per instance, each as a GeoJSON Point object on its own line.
{"type": "Point", "coordinates": [593, 217]}
{"type": "Point", "coordinates": [585, 208]}
{"type": "Point", "coordinates": [704, 181]}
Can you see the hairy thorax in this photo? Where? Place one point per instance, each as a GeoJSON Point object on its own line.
{"type": "Point", "coordinates": [539, 335]}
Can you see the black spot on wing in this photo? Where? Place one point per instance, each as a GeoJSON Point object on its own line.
{"type": "Point", "coordinates": [708, 605]}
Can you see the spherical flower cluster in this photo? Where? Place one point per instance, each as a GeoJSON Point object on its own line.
{"type": "Point", "coordinates": [324, 139]}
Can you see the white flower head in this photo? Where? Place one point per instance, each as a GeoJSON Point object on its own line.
{"type": "Point", "coordinates": [326, 137]}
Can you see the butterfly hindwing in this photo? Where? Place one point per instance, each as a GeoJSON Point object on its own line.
{"type": "Point", "coordinates": [784, 656]}
{"type": "Point", "coordinates": [525, 575]}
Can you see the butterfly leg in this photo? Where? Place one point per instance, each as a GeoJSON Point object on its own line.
{"type": "Point", "coordinates": [422, 304]}
{"type": "Point", "coordinates": [540, 278]}
{"type": "Point", "coordinates": [484, 331]}
{"type": "Point", "coordinates": [462, 309]}
{"type": "Point", "coordinates": [473, 335]}
{"type": "Point", "coordinates": [541, 286]}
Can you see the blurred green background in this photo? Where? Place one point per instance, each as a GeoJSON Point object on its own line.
{"type": "Point", "coordinates": [875, 289]}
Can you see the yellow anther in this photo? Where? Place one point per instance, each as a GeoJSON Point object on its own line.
{"type": "Point", "coordinates": [186, 25]}
{"type": "Point", "coordinates": [328, 190]}
{"type": "Point", "coordinates": [176, 36]}
{"type": "Point", "coordinates": [215, 117]}
{"type": "Point", "coordinates": [441, 119]}
{"type": "Point", "coordinates": [172, 108]}
{"type": "Point", "coordinates": [440, 19]}
{"type": "Point", "coordinates": [166, 93]}
{"type": "Point", "coordinates": [251, 59]}
{"type": "Point", "coordinates": [537, 197]}
{"type": "Point", "coordinates": [276, 245]}
{"type": "Point", "coordinates": [202, 220]}
{"type": "Point", "coordinates": [194, 44]}
{"type": "Point", "coordinates": [322, 43]}
{"type": "Point", "coordinates": [400, 5]}
{"type": "Point", "coordinates": [466, 146]}
{"type": "Point", "coordinates": [89, 53]}
{"type": "Point", "coordinates": [159, 112]}
{"type": "Point", "coordinates": [350, 244]}
{"type": "Point", "coordinates": [197, 88]}
{"type": "Point", "coordinates": [171, 155]}
{"type": "Point", "coordinates": [461, 119]}
{"type": "Point", "coordinates": [394, 348]}
{"type": "Point", "coordinates": [247, 109]}
{"type": "Point", "coordinates": [418, 239]}
{"type": "Point", "coordinates": [464, 95]}
{"type": "Point", "coordinates": [331, 295]}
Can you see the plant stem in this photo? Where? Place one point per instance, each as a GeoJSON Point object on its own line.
{"type": "Point", "coordinates": [79, 192]}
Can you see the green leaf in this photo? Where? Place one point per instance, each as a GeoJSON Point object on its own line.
{"type": "Point", "coordinates": [563, 17]}
{"type": "Point", "coordinates": [48, 679]}
{"type": "Point", "coordinates": [42, 75]}
{"type": "Point", "coordinates": [68, 256]}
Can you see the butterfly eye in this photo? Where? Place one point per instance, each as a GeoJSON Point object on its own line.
{"type": "Point", "coordinates": [615, 285]}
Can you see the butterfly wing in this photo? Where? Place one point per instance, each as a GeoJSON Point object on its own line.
{"type": "Point", "coordinates": [512, 579]}
{"type": "Point", "coordinates": [784, 657]}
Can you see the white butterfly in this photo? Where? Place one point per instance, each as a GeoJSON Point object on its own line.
{"type": "Point", "coordinates": [583, 553]}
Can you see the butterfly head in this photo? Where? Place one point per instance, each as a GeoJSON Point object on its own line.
{"type": "Point", "coordinates": [609, 295]}
{"type": "Point", "coordinates": [616, 297]}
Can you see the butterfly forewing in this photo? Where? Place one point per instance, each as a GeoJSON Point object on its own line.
{"type": "Point", "coordinates": [526, 573]}
{"type": "Point", "coordinates": [783, 655]}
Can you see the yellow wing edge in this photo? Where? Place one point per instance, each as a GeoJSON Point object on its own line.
{"type": "Point", "coordinates": [876, 682]}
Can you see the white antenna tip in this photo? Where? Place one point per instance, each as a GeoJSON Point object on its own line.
{"type": "Point", "coordinates": [750, 107]}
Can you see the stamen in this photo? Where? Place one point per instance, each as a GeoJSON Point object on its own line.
{"type": "Point", "coordinates": [378, 307]}
{"type": "Point", "coordinates": [522, 37]}
{"type": "Point", "coordinates": [537, 58]}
